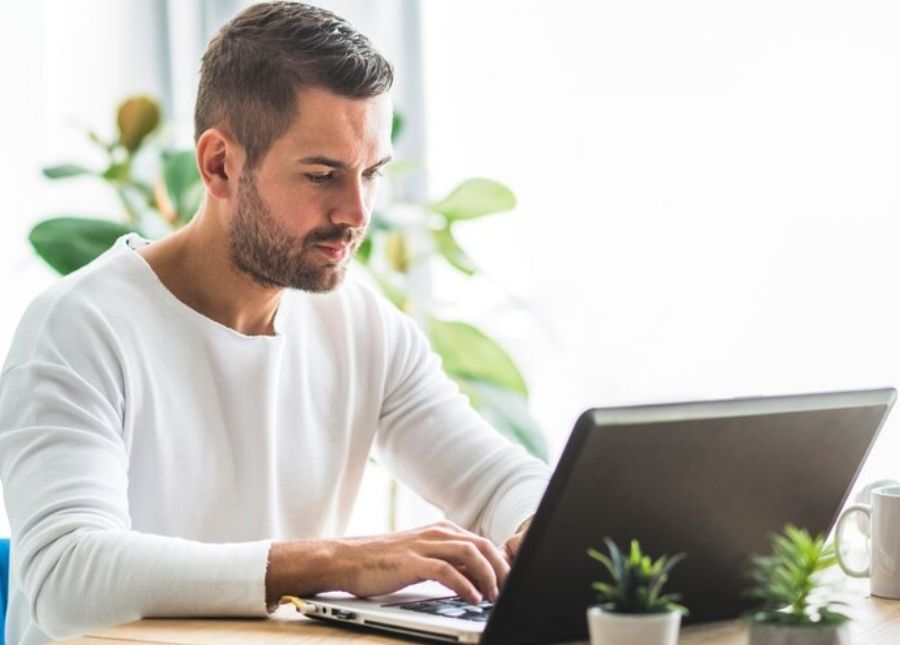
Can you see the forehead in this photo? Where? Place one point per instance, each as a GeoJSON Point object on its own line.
{"type": "Point", "coordinates": [328, 124]}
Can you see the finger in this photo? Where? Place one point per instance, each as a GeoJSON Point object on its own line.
{"type": "Point", "coordinates": [508, 553]}
{"type": "Point", "coordinates": [466, 554]}
{"type": "Point", "coordinates": [444, 529]}
{"type": "Point", "coordinates": [495, 557]}
{"type": "Point", "coordinates": [445, 573]}
{"type": "Point", "coordinates": [512, 545]}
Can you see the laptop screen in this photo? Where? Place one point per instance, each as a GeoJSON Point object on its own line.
{"type": "Point", "coordinates": [712, 480]}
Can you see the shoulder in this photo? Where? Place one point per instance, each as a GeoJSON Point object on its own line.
{"type": "Point", "coordinates": [76, 311]}
{"type": "Point", "coordinates": [91, 288]}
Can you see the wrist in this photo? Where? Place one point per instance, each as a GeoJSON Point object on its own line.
{"type": "Point", "coordinates": [302, 568]}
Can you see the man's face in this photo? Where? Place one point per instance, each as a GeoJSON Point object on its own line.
{"type": "Point", "coordinates": [303, 211]}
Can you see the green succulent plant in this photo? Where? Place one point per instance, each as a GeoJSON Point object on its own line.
{"type": "Point", "coordinates": [637, 581]}
{"type": "Point", "coordinates": [788, 582]}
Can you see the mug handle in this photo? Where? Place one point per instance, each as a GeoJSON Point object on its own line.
{"type": "Point", "coordinates": [850, 510]}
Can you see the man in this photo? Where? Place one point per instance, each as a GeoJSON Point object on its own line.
{"type": "Point", "coordinates": [184, 424]}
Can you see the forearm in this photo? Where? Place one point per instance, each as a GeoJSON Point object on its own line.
{"type": "Point", "coordinates": [432, 440]}
{"type": "Point", "coordinates": [90, 579]}
{"type": "Point", "coordinates": [479, 479]}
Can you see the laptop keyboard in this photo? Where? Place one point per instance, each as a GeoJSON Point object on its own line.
{"type": "Point", "coordinates": [454, 607]}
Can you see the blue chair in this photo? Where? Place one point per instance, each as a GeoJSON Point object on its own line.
{"type": "Point", "coordinates": [4, 586]}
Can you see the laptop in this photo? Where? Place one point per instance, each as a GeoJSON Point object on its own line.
{"type": "Point", "coordinates": [711, 479]}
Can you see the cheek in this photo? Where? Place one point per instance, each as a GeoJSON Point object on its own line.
{"type": "Point", "coordinates": [298, 209]}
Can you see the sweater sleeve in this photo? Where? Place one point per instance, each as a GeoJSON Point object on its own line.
{"type": "Point", "coordinates": [64, 467]}
{"type": "Point", "coordinates": [432, 440]}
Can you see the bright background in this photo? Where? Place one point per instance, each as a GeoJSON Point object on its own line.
{"type": "Point", "coordinates": [708, 192]}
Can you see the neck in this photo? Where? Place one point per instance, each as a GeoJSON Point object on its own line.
{"type": "Point", "coordinates": [195, 264]}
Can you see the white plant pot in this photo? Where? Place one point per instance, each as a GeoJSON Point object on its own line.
{"type": "Point", "coordinates": [774, 634]}
{"type": "Point", "coordinates": [609, 628]}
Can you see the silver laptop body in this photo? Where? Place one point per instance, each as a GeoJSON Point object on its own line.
{"type": "Point", "coordinates": [381, 612]}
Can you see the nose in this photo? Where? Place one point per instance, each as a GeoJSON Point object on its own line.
{"type": "Point", "coordinates": [353, 208]}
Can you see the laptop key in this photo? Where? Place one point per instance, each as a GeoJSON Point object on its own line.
{"type": "Point", "coordinates": [454, 607]}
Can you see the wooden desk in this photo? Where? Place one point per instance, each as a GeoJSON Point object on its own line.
{"type": "Point", "coordinates": [877, 622]}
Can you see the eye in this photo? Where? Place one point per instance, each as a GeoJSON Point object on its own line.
{"type": "Point", "coordinates": [374, 174]}
{"type": "Point", "coordinates": [320, 178]}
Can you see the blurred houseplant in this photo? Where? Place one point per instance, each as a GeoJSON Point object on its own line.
{"type": "Point", "coordinates": [168, 198]}
{"type": "Point", "coordinates": [795, 605]}
{"type": "Point", "coordinates": [631, 607]}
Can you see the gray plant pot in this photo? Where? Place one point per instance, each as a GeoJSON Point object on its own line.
{"type": "Point", "coordinates": [775, 634]}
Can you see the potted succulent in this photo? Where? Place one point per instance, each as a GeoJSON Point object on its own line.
{"type": "Point", "coordinates": [796, 606]}
{"type": "Point", "coordinates": [631, 607]}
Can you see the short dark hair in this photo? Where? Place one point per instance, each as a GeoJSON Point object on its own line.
{"type": "Point", "coordinates": [255, 64]}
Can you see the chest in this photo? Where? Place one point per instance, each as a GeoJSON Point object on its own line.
{"type": "Point", "coordinates": [266, 434]}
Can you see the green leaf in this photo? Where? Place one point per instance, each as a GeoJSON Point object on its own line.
{"type": "Point", "coordinates": [605, 561]}
{"type": "Point", "coordinates": [785, 581]}
{"type": "Point", "coordinates": [392, 293]}
{"type": "Point", "coordinates": [507, 411]}
{"type": "Point", "coordinates": [397, 251]}
{"type": "Point", "coordinates": [615, 555]}
{"type": "Point", "coordinates": [470, 354]}
{"type": "Point", "coordinates": [634, 555]}
{"type": "Point", "coordinates": [475, 198]}
{"type": "Point", "coordinates": [145, 189]}
{"type": "Point", "coordinates": [604, 589]}
{"type": "Point", "coordinates": [183, 184]}
{"type": "Point", "coordinates": [404, 167]}
{"type": "Point", "coordinates": [68, 243]}
{"type": "Point", "coordinates": [65, 170]}
{"type": "Point", "coordinates": [397, 123]}
{"type": "Point", "coordinates": [448, 247]}
{"type": "Point", "coordinates": [364, 251]}
{"type": "Point", "coordinates": [831, 617]}
{"type": "Point", "coordinates": [826, 557]}
{"type": "Point", "coordinates": [380, 223]}
{"type": "Point", "coordinates": [118, 172]}
{"type": "Point", "coordinates": [637, 580]}
{"type": "Point", "coordinates": [667, 564]}
{"type": "Point", "coordinates": [95, 138]}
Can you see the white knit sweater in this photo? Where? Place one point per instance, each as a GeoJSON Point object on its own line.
{"type": "Point", "coordinates": [149, 455]}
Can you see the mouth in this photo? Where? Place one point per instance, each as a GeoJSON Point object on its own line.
{"type": "Point", "coordinates": [334, 252]}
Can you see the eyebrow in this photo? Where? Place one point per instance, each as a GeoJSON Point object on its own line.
{"type": "Point", "coordinates": [338, 164]}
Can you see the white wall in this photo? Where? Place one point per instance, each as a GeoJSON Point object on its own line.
{"type": "Point", "coordinates": [709, 194]}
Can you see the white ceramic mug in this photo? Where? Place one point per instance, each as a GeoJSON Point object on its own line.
{"type": "Point", "coordinates": [884, 541]}
{"type": "Point", "coordinates": [864, 496]}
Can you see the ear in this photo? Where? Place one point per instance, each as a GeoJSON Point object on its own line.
{"type": "Point", "coordinates": [220, 160]}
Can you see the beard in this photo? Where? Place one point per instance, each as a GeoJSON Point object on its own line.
{"type": "Point", "coordinates": [272, 257]}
